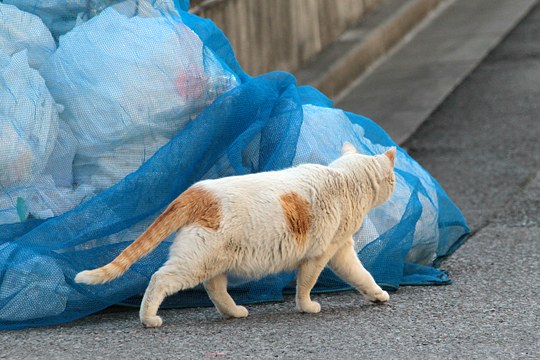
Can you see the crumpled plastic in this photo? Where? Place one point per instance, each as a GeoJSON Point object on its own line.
{"type": "Point", "coordinates": [37, 147]}
{"type": "Point", "coordinates": [29, 120]}
{"type": "Point", "coordinates": [20, 30]}
{"type": "Point", "coordinates": [124, 102]}
{"type": "Point", "coordinates": [60, 16]}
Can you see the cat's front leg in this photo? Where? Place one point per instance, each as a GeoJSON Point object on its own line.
{"type": "Point", "coordinates": [346, 265]}
{"type": "Point", "coordinates": [307, 275]}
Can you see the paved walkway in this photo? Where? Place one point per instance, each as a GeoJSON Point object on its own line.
{"type": "Point", "coordinates": [420, 73]}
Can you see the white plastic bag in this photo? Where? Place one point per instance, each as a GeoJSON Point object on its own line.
{"type": "Point", "coordinates": [21, 30]}
{"type": "Point", "coordinates": [37, 148]}
{"type": "Point", "coordinates": [28, 120]}
{"type": "Point", "coordinates": [128, 85]}
{"type": "Point", "coordinates": [59, 16]}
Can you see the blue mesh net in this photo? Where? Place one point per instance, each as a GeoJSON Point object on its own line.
{"type": "Point", "coordinates": [131, 103]}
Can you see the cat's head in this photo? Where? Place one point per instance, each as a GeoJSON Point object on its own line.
{"type": "Point", "coordinates": [382, 173]}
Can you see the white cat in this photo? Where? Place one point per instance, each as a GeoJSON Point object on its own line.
{"type": "Point", "coordinates": [254, 225]}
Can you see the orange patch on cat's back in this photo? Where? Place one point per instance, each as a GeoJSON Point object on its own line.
{"type": "Point", "coordinates": [297, 215]}
{"type": "Point", "coordinates": [200, 206]}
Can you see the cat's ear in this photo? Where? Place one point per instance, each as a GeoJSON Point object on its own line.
{"type": "Point", "coordinates": [391, 154]}
{"type": "Point", "coordinates": [348, 148]}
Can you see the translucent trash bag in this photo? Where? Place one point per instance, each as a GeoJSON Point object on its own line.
{"type": "Point", "coordinates": [20, 30]}
{"type": "Point", "coordinates": [127, 86]}
{"type": "Point", "coordinates": [29, 121]}
{"type": "Point", "coordinates": [37, 147]}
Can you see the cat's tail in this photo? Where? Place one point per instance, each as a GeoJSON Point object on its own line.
{"type": "Point", "coordinates": [177, 214]}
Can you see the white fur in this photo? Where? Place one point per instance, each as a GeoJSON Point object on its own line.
{"type": "Point", "coordinates": [254, 240]}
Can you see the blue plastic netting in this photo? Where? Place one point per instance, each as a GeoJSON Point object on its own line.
{"type": "Point", "coordinates": [125, 105]}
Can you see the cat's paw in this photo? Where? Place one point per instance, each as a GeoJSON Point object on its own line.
{"type": "Point", "coordinates": [379, 296]}
{"type": "Point", "coordinates": [311, 307]}
{"type": "Point", "coordinates": [239, 312]}
{"type": "Point", "coordinates": [152, 322]}
{"type": "Point", "coordinates": [236, 312]}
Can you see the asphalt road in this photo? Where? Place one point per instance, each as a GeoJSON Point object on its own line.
{"type": "Point", "coordinates": [482, 144]}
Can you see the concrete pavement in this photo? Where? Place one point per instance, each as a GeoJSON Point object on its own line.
{"type": "Point", "coordinates": [402, 91]}
{"type": "Point", "coordinates": [482, 144]}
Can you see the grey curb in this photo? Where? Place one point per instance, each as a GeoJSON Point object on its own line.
{"type": "Point", "coordinates": [358, 48]}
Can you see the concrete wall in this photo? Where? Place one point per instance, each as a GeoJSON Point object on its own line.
{"type": "Point", "coordinates": [281, 34]}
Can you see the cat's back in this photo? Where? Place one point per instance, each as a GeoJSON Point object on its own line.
{"type": "Point", "coordinates": [270, 183]}
{"type": "Point", "coordinates": [244, 197]}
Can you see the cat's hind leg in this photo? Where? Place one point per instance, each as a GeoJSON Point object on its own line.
{"type": "Point", "coordinates": [172, 277]}
{"type": "Point", "coordinates": [216, 288]}
{"type": "Point", "coordinates": [162, 284]}
{"type": "Point", "coordinates": [347, 266]}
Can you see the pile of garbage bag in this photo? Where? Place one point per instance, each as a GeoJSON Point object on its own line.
{"type": "Point", "coordinates": [110, 109]}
